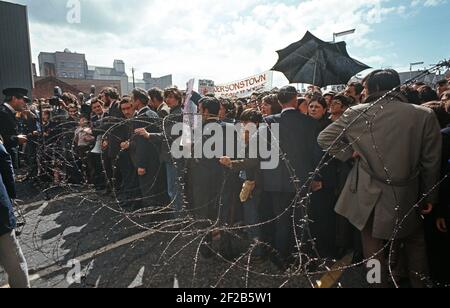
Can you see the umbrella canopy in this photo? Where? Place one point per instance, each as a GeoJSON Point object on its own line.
{"type": "Point", "coordinates": [316, 62]}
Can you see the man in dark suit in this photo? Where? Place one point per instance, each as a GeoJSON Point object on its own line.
{"type": "Point", "coordinates": [11, 256]}
{"type": "Point", "coordinates": [286, 186]}
{"type": "Point", "coordinates": [129, 194]}
{"type": "Point", "coordinates": [145, 154]}
{"type": "Point", "coordinates": [14, 102]}
{"type": "Point", "coordinates": [157, 103]}
{"type": "Point", "coordinates": [439, 244]}
{"type": "Point", "coordinates": [210, 188]}
{"type": "Point", "coordinates": [95, 166]}
{"type": "Point", "coordinates": [444, 200]}
{"type": "Point", "coordinates": [172, 173]}
{"type": "Point", "coordinates": [111, 144]}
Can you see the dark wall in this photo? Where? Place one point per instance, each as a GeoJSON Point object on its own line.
{"type": "Point", "coordinates": [15, 50]}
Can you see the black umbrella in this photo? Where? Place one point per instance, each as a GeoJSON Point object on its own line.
{"type": "Point", "coordinates": [316, 62]}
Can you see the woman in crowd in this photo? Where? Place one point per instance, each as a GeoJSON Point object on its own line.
{"type": "Point", "coordinates": [323, 227]}
{"type": "Point", "coordinates": [317, 109]}
{"type": "Point", "coordinates": [270, 105]}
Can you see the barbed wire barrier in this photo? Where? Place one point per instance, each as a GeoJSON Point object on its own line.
{"type": "Point", "coordinates": [184, 234]}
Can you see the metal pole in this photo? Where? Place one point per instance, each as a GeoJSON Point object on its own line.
{"type": "Point", "coordinates": [134, 81]}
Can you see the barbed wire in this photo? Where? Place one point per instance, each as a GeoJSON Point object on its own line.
{"type": "Point", "coordinates": [188, 234]}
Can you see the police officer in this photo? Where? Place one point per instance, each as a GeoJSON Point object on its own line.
{"type": "Point", "coordinates": [14, 102]}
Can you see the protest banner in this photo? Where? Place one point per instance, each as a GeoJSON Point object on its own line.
{"type": "Point", "coordinates": [245, 87]}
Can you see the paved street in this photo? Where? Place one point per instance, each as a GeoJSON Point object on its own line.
{"type": "Point", "coordinates": [120, 250]}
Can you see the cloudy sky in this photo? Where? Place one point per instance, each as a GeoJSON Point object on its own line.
{"type": "Point", "coordinates": [225, 40]}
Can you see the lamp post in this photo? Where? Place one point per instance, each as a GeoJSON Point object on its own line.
{"type": "Point", "coordinates": [411, 65]}
{"type": "Point", "coordinates": [134, 81]}
{"type": "Point", "coordinates": [343, 33]}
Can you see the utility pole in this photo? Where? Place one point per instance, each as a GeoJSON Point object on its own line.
{"type": "Point", "coordinates": [134, 81]}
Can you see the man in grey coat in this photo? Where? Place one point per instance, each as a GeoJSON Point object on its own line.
{"type": "Point", "coordinates": [394, 182]}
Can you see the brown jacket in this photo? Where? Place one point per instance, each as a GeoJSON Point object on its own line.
{"type": "Point", "coordinates": [400, 158]}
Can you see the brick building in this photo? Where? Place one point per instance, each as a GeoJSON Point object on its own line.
{"type": "Point", "coordinates": [43, 87]}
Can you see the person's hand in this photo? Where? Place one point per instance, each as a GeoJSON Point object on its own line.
{"type": "Point", "coordinates": [226, 161]}
{"type": "Point", "coordinates": [22, 139]}
{"type": "Point", "coordinates": [35, 133]}
{"type": "Point", "coordinates": [141, 171]}
{"type": "Point", "coordinates": [125, 145]}
{"type": "Point", "coordinates": [427, 209]}
{"type": "Point", "coordinates": [142, 132]}
{"type": "Point", "coordinates": [316, 186]}
{"type": "Point", "coordinates": [356, 155]}
{"type": "Point", "coordinates": [441, 225]}
{"type": "Point", "coordinates": [89, 138]}
{"type": "Point", "coordinates": [104, 144]}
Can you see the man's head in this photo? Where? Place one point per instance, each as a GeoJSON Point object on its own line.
{"type": "Point", "coordinates": [140, 98]}
{"type": "Point", "coordinates": [250, 118]}
{"type": "Point", "coordinates": [381, 81]}
{"type": "Point", "coordinates": [209, 107]}
{"type": "Point", "coordinates": [418, 85]}
{"type": "Point", "coordinates": [354, 90]}
{"type": "Point", "coordinates": [329, 97]}
{"type": "Point", "coordinates": [288, 97]}
{"type": "Point", "coordinates": [445, 96]}
{"type": "Point", "coordinates": [81, 98]}
{"type": "Point", "coordinates": [156, 97]}
{"type": "Point", "coordinates": [16, 98]}
{"type": "Point", "coordinates": [427, 94]}
{"type": "Point", "coordinates": [69, 99]}
{"type": "Point", "coordinates": [442, 86]}
{"type": "Point", "coordinates": [73, 111]}
{"type": "Point", "coordinates": [97, 107]}
{"type": "Point", "coordinates": [340, 104]}
{"type": "Point", "coordinates": [317, 108]}
{"type": "Point", "coordinates": [126, 105]}
{"type": "Point", "coordinates": [173, 97]}
{"type": "Point", "coordinates": [84, 121]}
{"type": "Point", "coordinates": [109, 95]}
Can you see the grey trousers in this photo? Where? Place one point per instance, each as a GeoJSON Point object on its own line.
{"type": "Point", "coordinates": [412, 249]}
{"type": "Point", "coordinates": [13, 261]}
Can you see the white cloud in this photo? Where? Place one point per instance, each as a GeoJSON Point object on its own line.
{"type": "Point", "coordinates": [428, 3]}
{"type": "Point", "coordinates": [222, 40]}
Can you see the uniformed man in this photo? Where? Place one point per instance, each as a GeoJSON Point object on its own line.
{"type": "Point", "coordinates": [14, 102]}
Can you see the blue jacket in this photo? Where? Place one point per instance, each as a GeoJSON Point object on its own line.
{"type": "Point", "coordinates": [7, 193]}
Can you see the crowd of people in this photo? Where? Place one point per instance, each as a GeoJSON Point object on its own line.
{"type": "Point", "coordinates": [362, 171]}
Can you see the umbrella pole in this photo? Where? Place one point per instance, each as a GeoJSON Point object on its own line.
{"type": "Point", "coordinates": [315, 70]}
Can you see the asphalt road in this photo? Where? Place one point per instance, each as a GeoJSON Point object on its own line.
{"type": "Point", "coordinates": [120, 250]}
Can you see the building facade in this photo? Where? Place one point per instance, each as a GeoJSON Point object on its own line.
{"type": "Point", "coordinates": [149, 82]}
{"type": "Point", "coordinates": [44, 86]}
{"type": "Point", "coordinates": [64, 64]}
{"type": "Point", "coordinates": [115, 73]}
